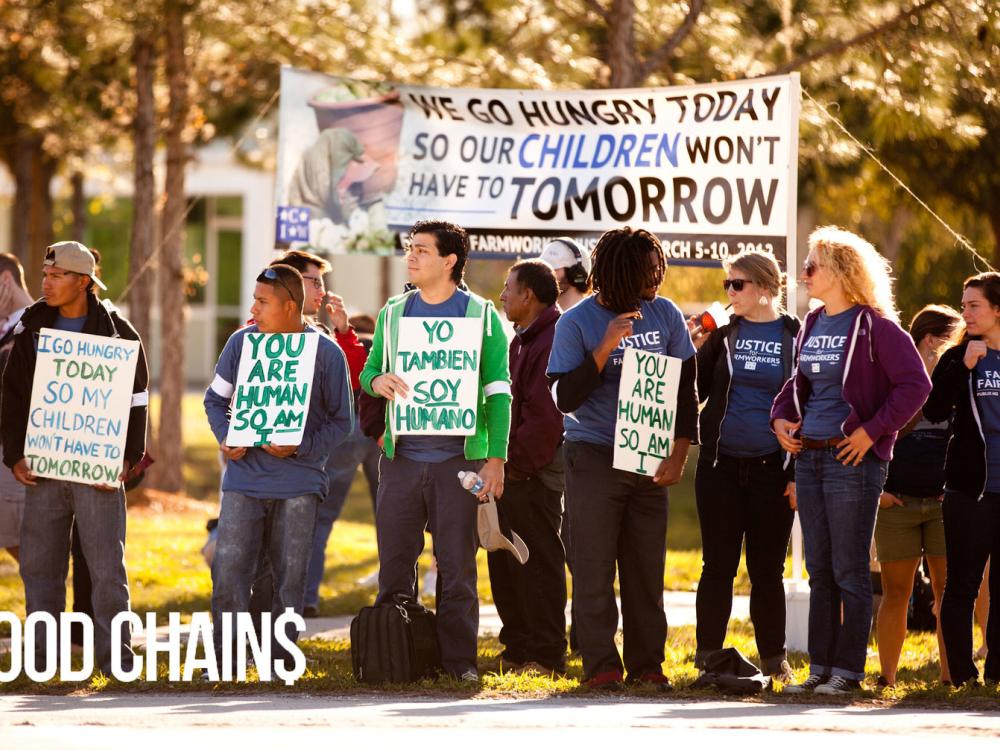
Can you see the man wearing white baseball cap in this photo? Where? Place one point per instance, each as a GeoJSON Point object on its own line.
{"type": "Point", "coordinates": [53, 506]}
{"type": "Point", "coordinates": [572, 266]}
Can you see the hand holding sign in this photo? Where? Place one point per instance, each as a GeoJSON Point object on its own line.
{"type": "Point", "coordinates": [24, 474]}
{"type": "Point", "coordinates": [671, 469]}
{"type": "Point", "coordinates": [388, 386]}
{"type": "Point", "coordinates": [280, 451]}
{"type": "Point", "coordinates": [232, 454]}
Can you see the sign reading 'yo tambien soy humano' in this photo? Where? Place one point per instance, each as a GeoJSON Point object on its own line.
{"type": "Point", "coordinates": [80, 401]}
{"type": "Point", "coordinates": [273, 385]}
{"type": "Point", "coordinates": [438, 358]}
{"type": "Point", "coordinates": [647, 405]}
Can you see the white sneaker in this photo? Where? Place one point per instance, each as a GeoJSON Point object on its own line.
{"type": "Point", "coordinates": [369, 581]}
{"type": "Point", "coordinates": [838, 685]}
{"type": "Point", "coordinates": [808, 685]}
{"type": "Point", "coordinates": [469, 675]}
{"type": "Point", "coordinates": [430, 583]}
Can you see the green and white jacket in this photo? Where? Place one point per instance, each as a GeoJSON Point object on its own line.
{"type": "Point", "coordinates": [493, 410]}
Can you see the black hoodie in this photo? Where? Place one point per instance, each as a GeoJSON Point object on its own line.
{"type": "Point", "coordinates": [715, 372]}
{"type": "Point", "coordinates": [19, 374]}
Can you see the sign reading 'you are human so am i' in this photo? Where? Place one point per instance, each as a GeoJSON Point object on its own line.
{"type": "Point", "coordinates": [647, 406]}
{"type": "Point", "coordinates": [273, 386]}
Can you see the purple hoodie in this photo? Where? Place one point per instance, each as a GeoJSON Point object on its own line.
{"type": "Point", "coordinates": [885, 382]}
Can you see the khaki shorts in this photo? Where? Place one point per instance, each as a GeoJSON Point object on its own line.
{"type": "Point", "coordinates": [911, 530]}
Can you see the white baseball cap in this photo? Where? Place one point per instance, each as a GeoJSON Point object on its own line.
{"type": "Point", "coordinates": [73, 256]}
{"type": "Point", "coordinates": [564, 252]}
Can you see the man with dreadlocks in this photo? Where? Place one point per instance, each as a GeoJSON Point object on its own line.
{"type": "Point", "coordinates": [619, 519]}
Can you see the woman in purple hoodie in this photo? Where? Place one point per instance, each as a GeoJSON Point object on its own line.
{"type": "Point", "coordinates": [857, 381]}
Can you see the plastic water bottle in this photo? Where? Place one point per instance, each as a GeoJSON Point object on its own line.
{"type": "Point", "coordinates": [471, 481]}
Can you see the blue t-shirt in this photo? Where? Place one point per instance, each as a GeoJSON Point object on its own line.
{"type": "Point", "coordinates": [758, 374]}
{"type": "Point", "coordinates": [429, 448]}
{"type": "Point", "coordinates": [987, 387]}
{"type": "Point", "coordinates": [822, 361]}
{"type": "Point", "coordinates": [579, 331]}
{"type": "Point", "coordinates": [70, 324]}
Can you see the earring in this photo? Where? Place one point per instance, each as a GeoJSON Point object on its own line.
{"type": "Point", "coordinates": [764, 300]}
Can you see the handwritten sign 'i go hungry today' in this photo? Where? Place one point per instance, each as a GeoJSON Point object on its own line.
{"type": "Point", "coordinates": [81, 396]}
{"type": "Point", "coordinates": [273, 385]}
{"type": "Point", "coordinates": [438, 358]}
{"type": "Point", "coordinates": [647, 405]}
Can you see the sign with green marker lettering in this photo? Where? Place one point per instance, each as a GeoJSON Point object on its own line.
{"type": "Point", "coordinates": [273, 385]}
{"type": "Point", "coordinates": [438, 358]}
{"type": "Point", "coordinates": [647, 405]}
{"type": "Point", "coordinates": [80, 401]}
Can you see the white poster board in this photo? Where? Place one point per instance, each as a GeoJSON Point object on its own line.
{"type": "Point", "coordinates": [438, 358]}
{"type": "Point", "coordinates": [273, 386]}
{"type": "Point", "coordinates": [80, 402]}
{"type": "Point", "coordinates": [647, 406]}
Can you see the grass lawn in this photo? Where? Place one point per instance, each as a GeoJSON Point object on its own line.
{"type": "Point", "coordinates": [167, 573]}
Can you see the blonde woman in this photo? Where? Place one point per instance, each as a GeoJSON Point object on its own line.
{"type": "Point", "coordinates": [743, 485]}
{"type": "Point", "coordinates": [858, 380]}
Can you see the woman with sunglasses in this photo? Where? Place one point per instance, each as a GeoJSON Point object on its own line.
{"type": "Point", "coordinates": [743, 486]}
{"type": "Point", "coordinates": [857, 381]}
{"type": "Point", "coordinates": [967, 380]}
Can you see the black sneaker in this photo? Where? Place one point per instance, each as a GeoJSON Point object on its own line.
{"type": "Point", "coordinates": [310, 611]}
{"type": "Point", "coordinates": [808, 685]}
{"type": "Point", "coordinates": [838, 685]}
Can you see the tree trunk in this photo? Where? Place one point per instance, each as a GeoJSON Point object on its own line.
{"type": "Point", "coordinates": [892, 240]}
{"type": "Point", "coordinates": [140, 296]}
{"type": "Point", "coordinates": [31, 228]}
{"type": "Point", "coordinates": [172, 303]}
{"type": "Point", "coordinates": [994, 213]}
{"type": "Point", "coordinates": [621, 57]}
{"type": "Point", "coordinates": [79, 205]}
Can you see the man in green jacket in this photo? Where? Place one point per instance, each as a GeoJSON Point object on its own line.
{"type": "Point", "coordinates": [418, 475]}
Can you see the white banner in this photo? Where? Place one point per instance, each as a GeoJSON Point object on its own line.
{"type": "Point", "coordinates": [438, 358]}
{"type": "Point", "coordinates": [273, 387]}
{"type": "Point", "coordinates": [711, 169]}
{"type": "Point", "coordinates": [80, 401]}
{"type": "Point", "coordinates": [647, 406]}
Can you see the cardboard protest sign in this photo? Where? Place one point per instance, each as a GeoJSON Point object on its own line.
{"type": "Point", "coordinates": [273, 386]}
{"type": "Point", "coordinates": [438, 358]}
{"type": "Point", "coordinates": [80, 401]}
{"type": "Point", "coordinates": [710, 168]}
{"type": "Point", "coordinates": [647, 405]}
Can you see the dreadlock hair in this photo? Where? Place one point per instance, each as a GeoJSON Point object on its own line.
{"type": "Point", "coordinates": [624, 267]}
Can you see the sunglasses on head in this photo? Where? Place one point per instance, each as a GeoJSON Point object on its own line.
{"type": "Point", "coordinates": [269, 274]}
{"type": "Point", "coordinates": [809, 267]}
{"type": "Point", "coordinates": [735, 284]}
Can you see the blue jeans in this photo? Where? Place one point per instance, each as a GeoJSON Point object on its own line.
{"type": "Point", "coordinates": [837, 507]}
{"type": "Point", "coordinates": [341, 469]}
{"type": "Point", "coordinates": [50, 510]}
{"type": "Point", "coordinates": [244, 525]}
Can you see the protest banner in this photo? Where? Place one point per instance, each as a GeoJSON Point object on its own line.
{"type": "Point", "coordinates": [438, 358]}
{"type": "Point", "coordinates": [81, 396]}
{"type": "Point", "coordinates": [711, 169]}
{"type": "Point", "coordinates": [647, 405]}
{"type": "Point", "coordinates": [273, 384]}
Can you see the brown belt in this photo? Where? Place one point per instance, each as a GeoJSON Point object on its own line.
{"type": "Point", "coordinates": [810, 444]}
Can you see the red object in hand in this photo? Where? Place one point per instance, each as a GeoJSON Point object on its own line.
{"type": "Point", "coordinates": [706, 322]}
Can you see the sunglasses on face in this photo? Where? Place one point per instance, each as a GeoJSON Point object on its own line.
{"type": "Point", "coordinates": [735, 284]}
{"type": "Point", "coordinates": [269, 274]}
{"type": "Point", "coordinates": [809, 268]}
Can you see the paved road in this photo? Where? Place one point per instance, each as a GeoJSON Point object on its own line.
{"type": "Point", "coordinates": [29, 722]}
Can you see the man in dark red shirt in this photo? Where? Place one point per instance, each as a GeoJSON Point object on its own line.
{"type": "Point", "coordinates": [531, 598]}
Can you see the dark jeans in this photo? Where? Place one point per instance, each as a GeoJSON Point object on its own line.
{"type": "Point", "coordinates": [971, 536]}
{"type": "Point", "coordinates": [531, 598]}
{"type": "Point", "coordinates": [413, 496]}
{"type": "Point", "coordinates": [743, 498]}
{"type": "Point", "coordinates": [837, 506]}
{"type": "Point", "coordinates": [51, 509]}
{"type": "Point", "coordinates": [619, 523]}
{"type": "Point", "coordinates": [245, 525]}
